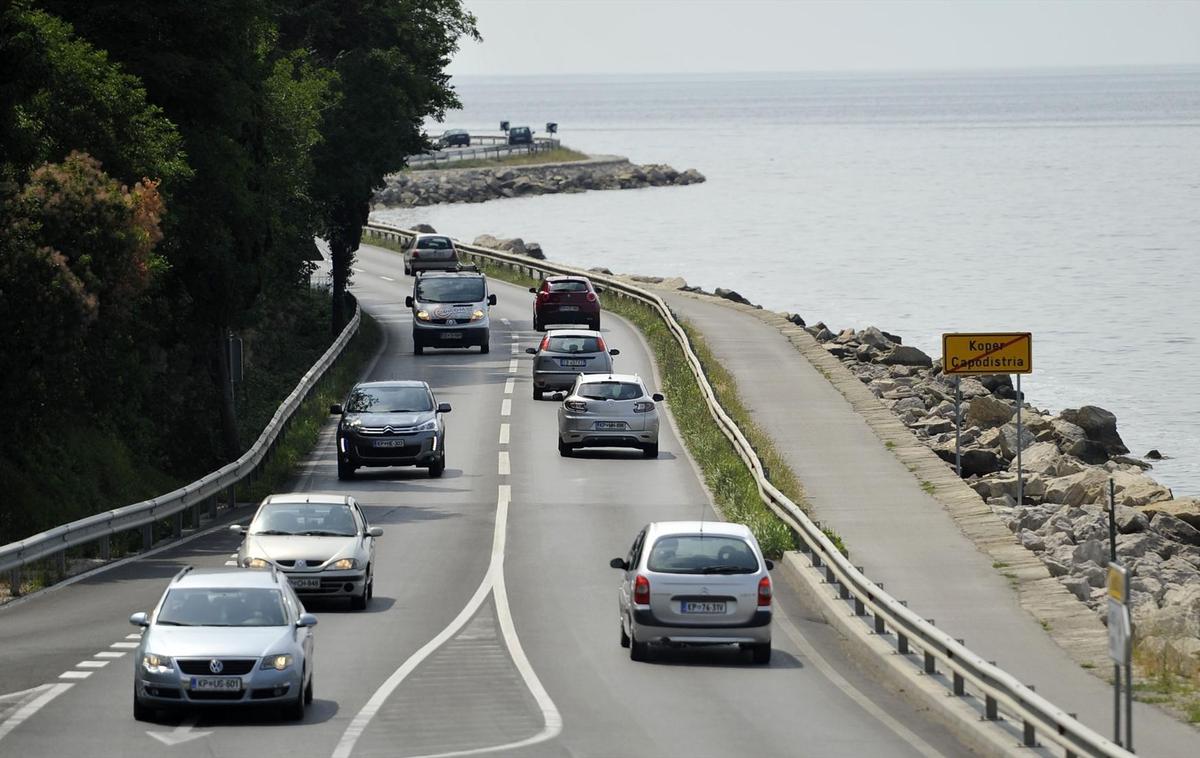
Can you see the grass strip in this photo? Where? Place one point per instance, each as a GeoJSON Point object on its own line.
{"type": "Point", "coordinates": [558, 155]}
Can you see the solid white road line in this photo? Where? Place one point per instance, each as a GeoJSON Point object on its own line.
{"type": "Point", "coordinates": [505, 321]}
{"type": "Point", "coordinates": [49, 692]}
{"type": "Point", "coordinates": [109, 654]}
{"type": "Point", "coordinates": [504, 434]}
{"type": "Point", "coordinates": [512, 366]}
{"type": "Point", "coordinates": [506, 407]}
{"type": "Point", "coordinates": [74, 675]}
{"type": "Point", "coordinates": [503, 465]}
{"type": "Point", "coordinates": [92, 664]}
{"type": "Point", "coordinates": [493, 582]}
{"type": "Point", "coordinates": [124, 645]}
{"type": "Point", "coordinates": [508, 386]}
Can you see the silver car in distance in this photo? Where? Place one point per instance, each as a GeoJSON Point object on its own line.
{"type": "Point", "coordinates": [695, 583]}
{"type": "Point", "coordinates": [224, 636]}
{"type": "Point", "coordinates": [565, 354]}
{"type": "Point", "coordinates": [321, 543]}
{"type": "Point", "coordinates": [609, 410]}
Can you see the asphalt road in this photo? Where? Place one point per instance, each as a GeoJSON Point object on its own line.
{"type": "Point", "coordinates": [493, 629]}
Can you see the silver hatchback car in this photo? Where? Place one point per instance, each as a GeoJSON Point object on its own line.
{"type": "Point", "coordinates": [565, 354]}
{"type": "Point", "coordinates": [695, 583]}
{"type": "Point", "coordinates": [224, 636]}
{"type": "Point", "coordinates": [609, 410]}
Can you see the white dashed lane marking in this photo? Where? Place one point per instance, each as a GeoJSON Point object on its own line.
{"type": "Point", "coordinates": [124, 645]}
{"type": "Point", "coordinates": [74, 675]}
{"type": "Point", "coordinates": [504, 434]}
{"type": "Point", "coordinates": [506, 407]}
{"type": "Point", "coordinates": [386, 278]}
{"type": "Point", "coordinates": [109, 654]}
{"type": "Point", "coordinates": [503, 466]}
{"type": "Point", "coordinates": [516, 348]}
{"type": "Point", "coordinates": [92, 664]}
{"type": "Point", "coordinates": [506, 322]}
{"type": "Point", "coordinates": [134, 636]}
{"type": "Point", "coordinates": [512, 366]}
{"type": "Point", "coordinates": [508, 386]}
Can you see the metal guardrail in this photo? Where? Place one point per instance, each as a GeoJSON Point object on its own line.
{"type": "Point", "coordinates": [204, 491]}
{"type": "Point", "coordinates": [498, 148]}
{"type": "Point", "coordinates": [998, 690]}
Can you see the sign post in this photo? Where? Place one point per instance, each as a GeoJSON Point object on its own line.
{"type": "Point", "coordinates": [1120, 649]}
{"type": "Point", "coordinates": [979, 353]}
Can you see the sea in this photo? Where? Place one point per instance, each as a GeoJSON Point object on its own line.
{"type": "Point", "coordinates": [1065, 203]}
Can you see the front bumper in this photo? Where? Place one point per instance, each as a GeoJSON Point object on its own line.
{"type": "Point", "coordinates": [420, 449]}
{"type": "Point", "coordinates": [649, 628]}
{"type": "Point", "coordinates": [470, 334]}
{"type": "Point", "coordinates": [329, 583]}
{"type": "Point", "coordinates": [259, 686]}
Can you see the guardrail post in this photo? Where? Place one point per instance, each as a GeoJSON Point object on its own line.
{"type": "Point", "coordinates": [105, 547]}
{"type": "Point", "coordinates": [843, 592]}
{"type": "Point", "coordinates": [177, 525]}
{"type": "Point", "coordinates": [148, 536]}
{"type": "Point", "coordinates": [14, 582]}
{"type": "Point", "coordinates": [902, 643]}
{"type": "Point", "coordinates": [959, 684]}
{"type": "Point", "coordinates": [830, 577]}
{"type": "Point", "coordinates": [816, 559]}
{"type": "Point", "coordinates": [1030, 738]}
{"type": "Point", "coordinates": [930, 663]}
{"type": "Point", "coordinates": [212, 507]}
{"type": "Point", "coordinates": [990, 709]}
{"type": "Point", "coordinates": [880, 626]}
{"type": "Point", "coordinates": [60, 562]}
{"type": "Point", "coordinates": [232, 497]}
{"type": "Point", "coordinates": [859, 608]}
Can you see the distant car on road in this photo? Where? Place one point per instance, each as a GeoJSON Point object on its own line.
{"type": "Point", "coordinates": [565, 300]}
{"type": "Point", "coordinates": [454, 138]}
{"type": "Point", "coordinates": [321, 543]}
{"type": "Point", "coordinates": [429, 252]}
{"type": "Point", "coordinates": [695, 583]}
{"type": "Point", "coordinates": [520, 135]}
{"type": "Point", "coordinates": [391, 424]}
{"type": "Point", "coordinates": [564, 354]}
{"type": "Point", "coordinates": [451, 310]}
{"type": "Point", "coordinates": [608, 410]}
{"type": "Point", "coordinates": [224, 636]}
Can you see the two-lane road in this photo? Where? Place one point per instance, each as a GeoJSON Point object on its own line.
{"type": "Point", "coordinates": [494, 626]}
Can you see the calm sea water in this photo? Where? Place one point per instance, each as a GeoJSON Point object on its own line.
{"type": "Point", "coordinates": [1066, 203]}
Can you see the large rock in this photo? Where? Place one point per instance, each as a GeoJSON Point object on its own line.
{"type": "Point", "coordinates": [988, 411]}
{"type": "Point", "coordinates": [729, 294]}
{"type": "Point", "coordinates": [1099, 425]}
{"type": "Point", "coordinates": [874, 338]}
{"type": "Point", "coordinates": [905, 355]}
{"type": "Point", "coordinates": [1077, 489]}
{"type": "Point", "coordinates": [534, 250]}
{"type": "Point", "coordinates": [1136, 489]}
{"type": "Point", "coordinates": [1039, 458]}
{"type": "Point", "coordinates": [1073, 440]}
{"type": "Point", "coordinates": [424, 228]}
{"type": "Point", "coordinates": [1176, 530]}
{"type": "Point", "coordinates": [1009, 440]}
{"type": "Point", "coordinates": [1184, 509]}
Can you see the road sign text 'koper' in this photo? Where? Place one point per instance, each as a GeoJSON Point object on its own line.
{"type": "Point", "coordinates": [987, 353]}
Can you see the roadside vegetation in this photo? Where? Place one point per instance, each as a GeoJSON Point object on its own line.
{"type": "Point", "coordinates": [558, 155]}
{"type": "Point", "coordinates": [1165, 676]}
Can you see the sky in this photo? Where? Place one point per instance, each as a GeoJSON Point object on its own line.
{"type": "Point", "coordinates": [702, 36]}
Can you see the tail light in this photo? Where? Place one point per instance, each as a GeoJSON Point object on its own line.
{"type": "Point", "coordinates": [545, 343]}
{"type": "Point", "coordinates": [543, 295]}
{"type": "Point", "coordinates": [576, 405]}
{"type": "Point", "coordinates": [603, 348]}
{"type": "Point", "coordinates": [641, 591]}
{"type": "Point", "coordinates": [416, 254]}
{"type": "Point", "coordinates": [643, 406]}
{"type": "Point", "coordinates": [764, 592]}
{"type": "Point", "coordinates": [591, 297]}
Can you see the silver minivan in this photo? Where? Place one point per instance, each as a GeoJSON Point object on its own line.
{"type": "Point", "coordinates": [695, 583]}
{"type": "Point", "coordinates": [450, 309]}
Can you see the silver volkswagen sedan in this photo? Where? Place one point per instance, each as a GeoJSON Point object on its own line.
{"type": "Point", "coordinates": [322, 544]}
{"type": "Point", "coordinates": [609, 410]}
{"type": "Point", "coordinates": [224, 636]}
{"type": "Point", "coordinates": [565, 354]}
{"type": "Point", "coordinates": [695, 583]}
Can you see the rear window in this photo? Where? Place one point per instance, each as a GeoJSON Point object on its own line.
{"type": "Point", "coordinates": [610, 391]}
{"type": "Point", "coordinates": [434, 243]}
{"type": "Point", "coordinates": [574, 345]}
{"type": "Point", "coordinates": [701, 554]}
{"type": "Point", "coordinates": [570, 285]}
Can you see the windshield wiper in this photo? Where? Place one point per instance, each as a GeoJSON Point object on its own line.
{"type": "Point", "coordinates": [406, 410]}
{"type": "Point", "coordinates": [323, 533]}
{"type": "Point", "coordinates": [276, 533]}
{"type": "Point", "coordinates": [173, 623]}
{"type": "Point", "coordinates": [725, 569]}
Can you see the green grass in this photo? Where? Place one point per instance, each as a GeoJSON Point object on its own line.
{"type": "Point", "coordinates": [1167, 677]}
{"type": "Point", "coordinates": [558, 155]}
{"type": "Point", "coordinates": [890, 444]}
{"type": "Point", "coordinates": [928, 486]}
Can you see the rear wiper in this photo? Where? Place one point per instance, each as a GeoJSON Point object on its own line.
{"type": "Point", "coordinates": [276, 533]}
{"type": "Point", "coordinates": [725, 569]}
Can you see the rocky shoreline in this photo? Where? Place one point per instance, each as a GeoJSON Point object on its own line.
{"type": "Point", "coordinates": [476, 185]}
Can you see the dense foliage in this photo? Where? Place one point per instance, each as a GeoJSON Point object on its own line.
{"type": "Point", "coordinates": [165, 166]}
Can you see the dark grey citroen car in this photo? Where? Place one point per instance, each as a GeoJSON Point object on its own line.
{"type": "Point", "coordinates": [391, 424]}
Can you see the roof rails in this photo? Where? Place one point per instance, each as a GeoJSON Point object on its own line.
{"type": "Point", "coordinates": [472, 267]}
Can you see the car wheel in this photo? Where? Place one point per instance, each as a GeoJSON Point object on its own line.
{"type": "Point", "coordinates": [308, 691]}
{"type": "Point", "coordinates": [345, 470]}
{"type": "Point", "coordinates": [486, 347]}
{"type": "Point", "coordinates": [537, 394]}
{"type": "Point", "coordinates": [537, 324]}
{"type": "Point", "coordinates": [638, 651]}
{"type": "Point", "coordinates": [650, 451]}
{"type": "Point", "coordinates": [141, 711]}
{"type": "Point", "coordinates": [624, 636]}
{"type": "Point", "coordinates": [359, 602]}
{"type": "Point", "coordinates": [594, 324]}
{"type": "Point", "coordinates": [436, 469]}
{"type": "Point", "coordinates": [407, 271]}
{"type": "Point", "coordinates": [564, 449]}
{"type": "Point", "coordinates": [761, 653]}
{"type": "Point", "coordinates": [418, 348]}
{"type": "Point", "coordinates": [294, 711]}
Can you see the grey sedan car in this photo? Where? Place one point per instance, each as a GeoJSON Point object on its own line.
{"type": "Point", "coordinates": [695, 583]}
{"type": "Point", "coordinates": [429, 252]}
{"type": "Point", "coordinates": [609, 410]}
{"type": "Point", "coordinates": [564, 354]}
{"type": "Point", "coordinates": [391, 424]}
{"type": "Point", "coordinates": [224, 636]}
{"type": "Point", "coordinates": [322, 543]}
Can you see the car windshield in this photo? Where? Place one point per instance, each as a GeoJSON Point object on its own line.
{"type": "Point", "coordinates": [232, 606]}
{"type": "Point", "coordinates": [702, 554]}
{"type": "Point", "coordinates": [449, 289]}
{"type": "Point", "coordinates": [570, 285]}
{"type": "Point", "coordinates": [609, 391]}
{"type": "Point", "coordinates": [310, 519]}
{"type": "Point", "coordinates": [389, 400]}
{"type": "Point", "coordinates": [434, 243]}
{"type": "Point", "coordinates": [573, 344]}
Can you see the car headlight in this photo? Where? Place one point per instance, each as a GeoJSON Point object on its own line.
{"type": "Point", "coordinates": [352, 423]}
{"type": "Point", "coordinates": [476, 315]}
{"type": "Point", "coordinates": [277, 662]}
{"type": "Point", "coordinates": [157, 664]}
{"type": "Point", "coordinates": [423, 315]}
{"type": "Point", "coordinates": [345, 563]}
{"type": "Point", "coordinates": [255, 563]}
{"type": "Point", "coordinates": [428, 426]}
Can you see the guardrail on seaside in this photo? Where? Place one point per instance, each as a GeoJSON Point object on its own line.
{"type": "Point", "coordinates": [206, 493]}
{"type": "Point", "coordinates": [999, 693]}
{"type": "Point", "coordinates": [499, 148]}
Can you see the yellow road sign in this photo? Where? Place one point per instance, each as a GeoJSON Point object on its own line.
{"type": "Point", "coordinates": [987, 353]}
{"type": "Point", "coordinates": [1118, 583]}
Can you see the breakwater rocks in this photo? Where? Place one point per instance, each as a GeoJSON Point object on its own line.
{"type": "Point", "coordinates": [416, 188]}
{"type": "Point", "coordinates": [1068, 460]}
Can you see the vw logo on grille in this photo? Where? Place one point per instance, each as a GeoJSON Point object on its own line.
{"type": "Point", "coordinates": [216, 666]}
{"type": "Point", "coordinates": [301, 564]}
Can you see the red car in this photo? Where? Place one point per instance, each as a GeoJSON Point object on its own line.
{"type": "Point", "coordinates": [566, 300]}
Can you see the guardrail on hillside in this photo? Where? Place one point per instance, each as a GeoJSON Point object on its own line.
{"type": "Point", "coordinates": [203, 496]}
{"type": "Point", "coordinates": [498, 149]}
{"type": "Point", "coordinates": [999, 692]}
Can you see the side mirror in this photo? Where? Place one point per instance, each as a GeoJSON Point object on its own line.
{"type": "Point", "coordinates": [374, 531]}
{"type": "Point", "coordinates": [614, 351]}
{"type": "Point", "coordinates": [443, 408]}
{"type": "Point", "coordinates": [533, 290]}
{"type": "Point", "coordinates": [335, 409]}
{"type": "Point", "coordinates": [657, 397]}
{"type": "Point", "coordinates": [619, 563]}
{"type": "Point", "coordinates": [408, 302]}
{"type": "Point", "coordinates": [770, 564]}
{"type": "Point", "coordinates": [237, 528]}
{"type": "Point", "coordinates": [140, 619]}
{"type": "Point", "coordinates": [306, 620]}
{"type": "Point", "coordinates": [491, 299]}
{"type": "Point", "coordinates": [531, 350]}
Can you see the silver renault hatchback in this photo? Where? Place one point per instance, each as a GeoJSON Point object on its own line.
{"type": "Point", "coordinates": [609, 410]}
{"type": "Point", "coordinates": [565, 354]}
{"type": "Point", "coordinates": [695, 583]}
